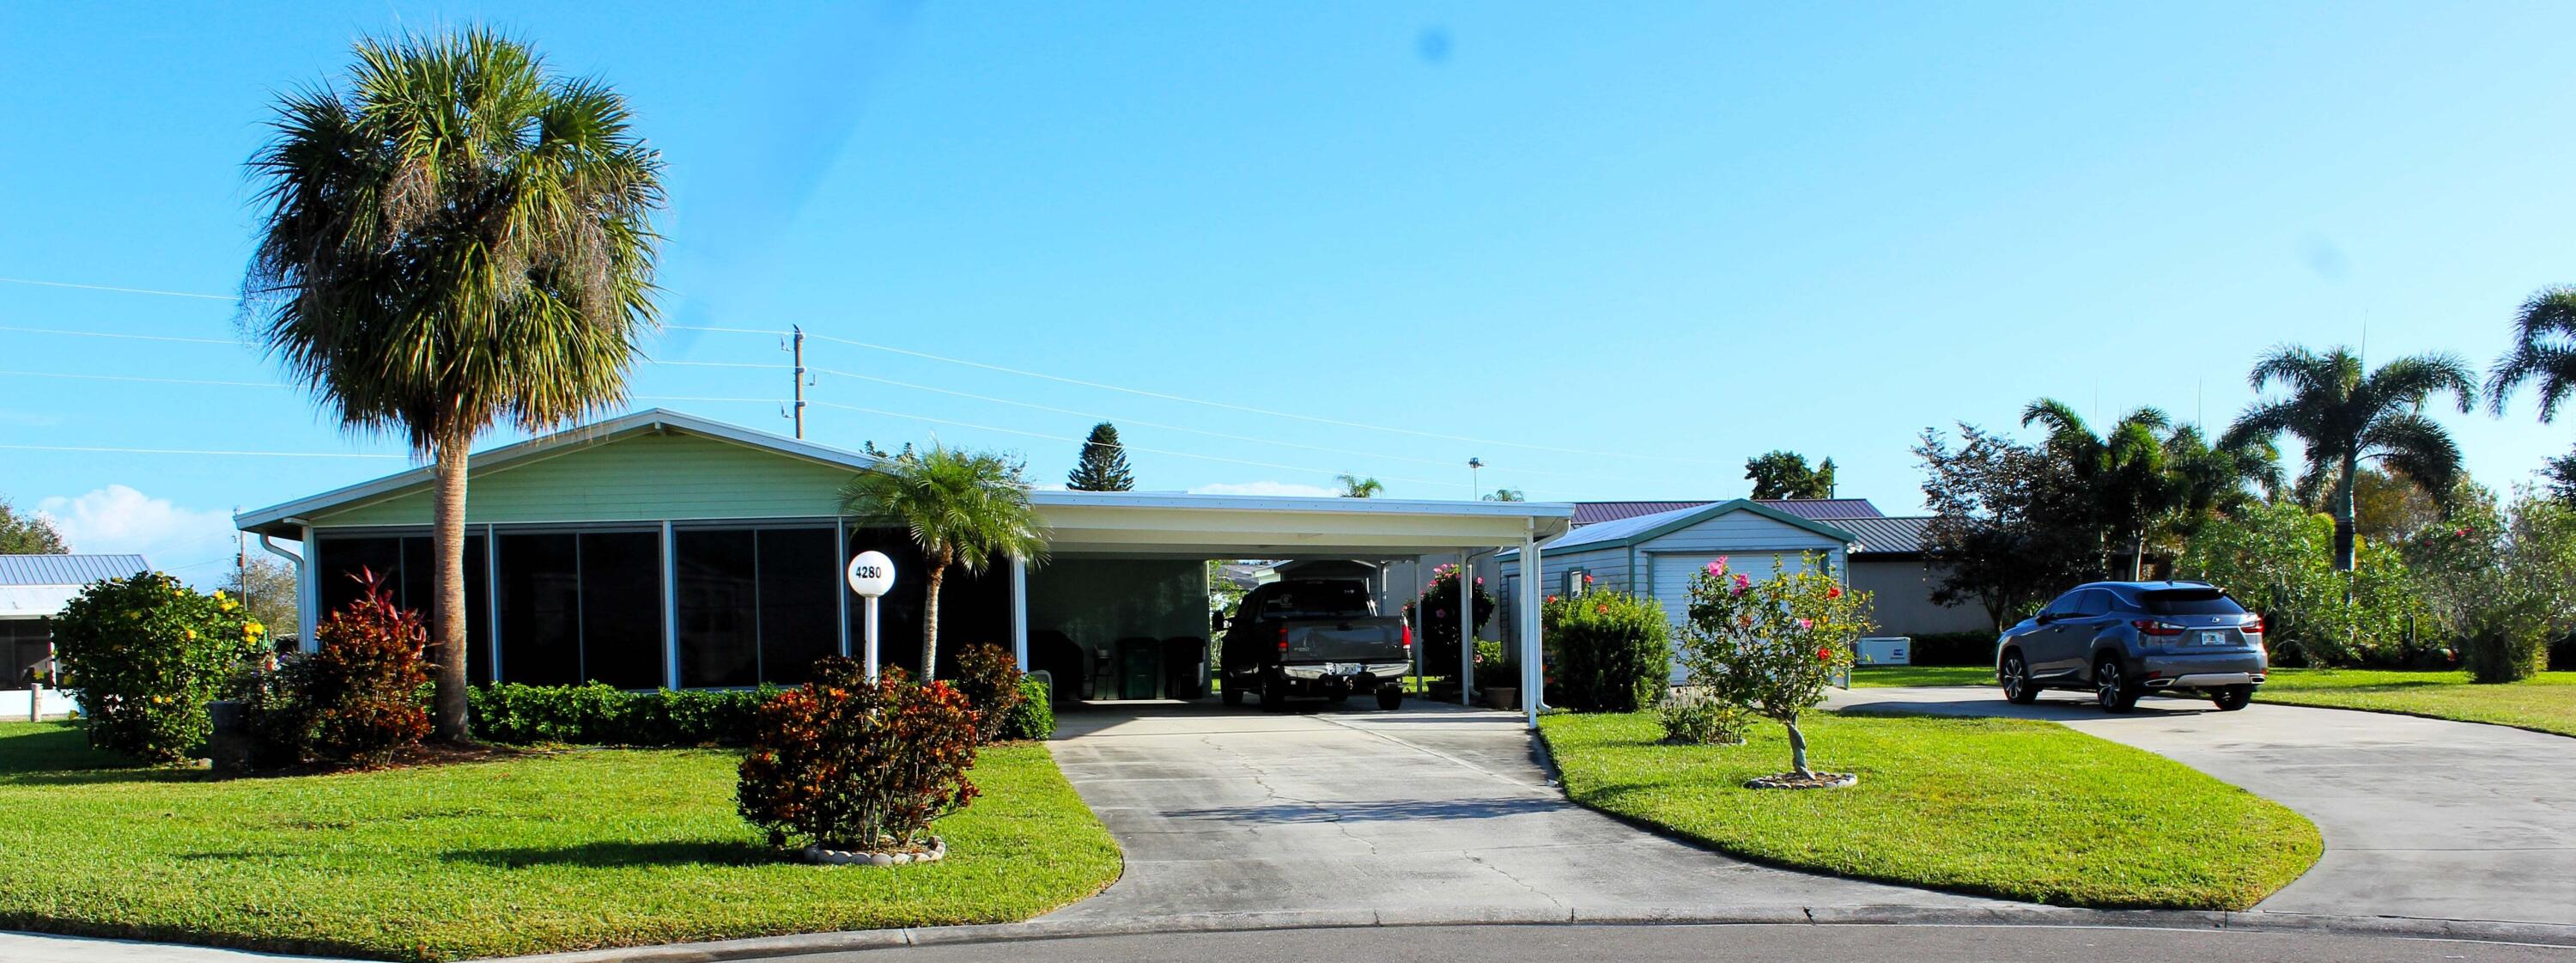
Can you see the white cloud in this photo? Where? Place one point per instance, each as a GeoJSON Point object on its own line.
{"type": "Point", "coordinates": [1266, 488]}
{"type": "Point", "coordinates": [195, 545]}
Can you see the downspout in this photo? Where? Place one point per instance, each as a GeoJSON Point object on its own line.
{"type": "Point", "coordinates": [297, 561]}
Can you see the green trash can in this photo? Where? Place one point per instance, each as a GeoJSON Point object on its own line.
{"type": "Point", "coordinates": [1140, 667]}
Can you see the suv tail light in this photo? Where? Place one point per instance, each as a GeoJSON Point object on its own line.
{"type": "Point", "coordinates": [2159, 629]}
{"type": "Point", "coordinates": [1283, 640]}
{"type": "Point", "coordinates": [2254, 627]}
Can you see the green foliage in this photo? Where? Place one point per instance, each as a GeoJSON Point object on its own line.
{"type": "Point", "coordinates": [357, 699]}
{"type": "Point", "coordinates": [1784, 474]}
{"type": "Point", "coordinates": [1694, 718]}
{"type": "Point", "coordinates": [1504, 495]}
{"type": "Point", "coordinates": [147, 653]}
{"type": "Point", "coordinates": [844, 763]}
{"type": "Point", "coordinates": [2502, 581]}
{"type": "Point", "coordinates": [990, 678]}
{"type": "Point", "coordinates": [267, 588]}
{"type": "Point", "coordinates": [27, 533]}
{"type": "Point", "coordinates": [601, 714]}
{"type": "Point", "coordinates": [1438, 611]}
{"type": "Point", "coordinates": [2011, 525]}
{"type": "Point", "coordinates": [1354, 486]}
{"type": "Point", "coordinates": [1032, 716]}
{"type": "Point", "coordinates": [1771, 645]}
{"type": "Point", "coordinates": [1613, 651]}
{"type": "Point", "coordinates": [962, 508]}
{"type": "Point", "coordinates": [2343, 416]}
{"type": "Point", "coordinates": [1102, 466]}
{"type": "Point", "coordinates": [2278, 561]}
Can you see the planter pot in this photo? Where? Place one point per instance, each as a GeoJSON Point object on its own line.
{"type": "Point", "coordinates": [1499, 697]}
{"type": "Point", "coordinates": [842, 857]}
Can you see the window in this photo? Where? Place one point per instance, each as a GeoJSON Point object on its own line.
{"type": "Point", "coordinates": [800, 605]}
{"type": "Point", "coordinates": [2095, 602]}
{"type": "Point", "coordinates": [2064, 605]}
{"type": "Point", "coordinates": [408, 565]}
{"type": "Point", "coordinates": [756, 605]}
{"type": "Point", "coordinates": [541, 609]}
{"type": "Point", "coordinates": [24, 643]}
{"type": "Point", "coordinates": [2191, 601]}
{"type": "Point", "coordinates": [621, 608]}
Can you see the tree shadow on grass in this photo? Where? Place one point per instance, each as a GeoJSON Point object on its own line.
{"type": "Point", "coordinates": [619, 855]}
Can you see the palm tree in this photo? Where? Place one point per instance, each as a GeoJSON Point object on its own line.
{"type": "Point", "coordinates": [961, 508]}
{"type": "Point", "coordinates": [2125, 471]}
{"type": "Point", "coordinates": [459, 239]}
{"type": "Point", "coordinates": [2544, 350]}
{"type": "Point", "coordinates": [2344, 417]}
{"type": "Point", "coordinates": [2220, 477]}
{"type": "Point", "coordinates": [1354, 486]}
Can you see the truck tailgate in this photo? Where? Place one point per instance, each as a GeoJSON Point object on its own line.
{"type": "Point", "coordinates": [1370, 639]}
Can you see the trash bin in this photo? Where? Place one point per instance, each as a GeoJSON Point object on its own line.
{"type": "Point", "coordinates": [1139, 668]}
{"type": "Point", "coordinates": [1185, 668]}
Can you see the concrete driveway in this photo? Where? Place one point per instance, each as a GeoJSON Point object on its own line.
{"type": "Point", "coordinates": [2422, 817]}
{"type": "Point", "coordinates": [1430, 812]}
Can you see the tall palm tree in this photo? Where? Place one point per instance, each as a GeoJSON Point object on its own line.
{"type": "Point", "coordinates": [2124, 469]}
{"type": "Point", "coordinates": [457, 240]}
{"type": "Point", "coordinates": [2344, 417]}
{"type": "Point", "coordinates": [961, 509]}
{"type": "Point", "coordinates": [2544, 350]}
{"type": "Point", "coordinates": [1354, 486]}
{"type": "Point", "coordinates": [2218, 477]}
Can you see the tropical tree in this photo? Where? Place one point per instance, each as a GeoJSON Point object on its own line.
{"type": "Point", "coordinates": [1102, 466]}
{"type": "Point", "coordinates": [2009, 523]}
{"type": "Point", "coordinates": [28, 534]}
{"type": "Point", "coordinates": [1506, 495]}
{"type": "Point", "coordinates": [2344, 417]}
{"type": "Point", "coordinates": [960, 508]}
{"type": "Point", "coordinates": [2214, 479]}
{"type": "Point", "coordinates": [2124, 472]}
{"type": "Point", "coordinates": [1784, 474]}
{"type": "Point", "coordinates": [2544, 350]}
{"type": "Point", "coordinates": [1354, 486]}
{"type": "Point", "coordinates": [460, 238]}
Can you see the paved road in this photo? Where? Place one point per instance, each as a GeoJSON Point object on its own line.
{"type": "Point", "coordinates": [2421, 817]}
{"type": "Point", "coordinates": [1428, 812]}
{"type": "Point", "coordinates": [1697, 944]}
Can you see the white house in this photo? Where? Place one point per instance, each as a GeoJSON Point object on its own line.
{"type": "Point", "coordinates": [34, 589]}
{"type": "Point", "coordinates": [1656, 554]}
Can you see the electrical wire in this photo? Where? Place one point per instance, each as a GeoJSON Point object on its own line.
{"type": "Point", "coordinates": [1065, 438]}
{"type": "Point", "coordinates": [124, 337]}
{"type": "Point", "coordinates": [157, 381]}
{"type": "Point", "coordinates": [195, 451]}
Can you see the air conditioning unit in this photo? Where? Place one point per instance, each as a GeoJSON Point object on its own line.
{"type": "Point", "coordinates": [1887, 650]}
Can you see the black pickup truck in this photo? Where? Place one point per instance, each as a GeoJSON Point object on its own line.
{"type": "Point", "coordinates": [1310, 638]}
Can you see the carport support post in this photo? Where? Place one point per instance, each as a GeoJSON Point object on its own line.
{"type": "Point", "coordinates": [1020, 611]}
{"type": "Point", "coordinates": [1533, 674]}
{"type": "Point", "coordinates": [1466, 632]}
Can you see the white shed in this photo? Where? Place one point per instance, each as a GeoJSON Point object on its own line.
{"type": "Point", "coordinates": [1656, 555]}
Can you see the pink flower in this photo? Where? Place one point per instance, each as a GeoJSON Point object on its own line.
{"type": "Point", "coordinates": [1587, 580]}
{"type": "Point", "coordinates": [1806, 624]}
{"type": "Point", "coordinates": [1715, 569]}
{"type": "Point", "coordinates": [1480, 580]}
{"type": "Point", "coordinates": [2464, 533]}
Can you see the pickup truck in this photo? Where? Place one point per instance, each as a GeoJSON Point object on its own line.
{"type": "Point", "coordinates": [1309, 638]}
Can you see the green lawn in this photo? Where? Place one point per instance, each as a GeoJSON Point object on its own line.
{"type": "Point", "coordinates": [562, 851]}
{"type": "Point", "coordinates": [2025, 810]}
{"type": "Point", "coordinates": [2545, 702]}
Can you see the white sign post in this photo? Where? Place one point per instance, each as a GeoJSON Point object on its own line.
{"type": "Point", "coordinates": [871, 575]}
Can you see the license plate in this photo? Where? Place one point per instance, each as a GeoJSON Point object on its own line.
{"type": "Point", "coordinates": [2214, 639]}
{"type": "Point", "coordinates": [1341, 668]}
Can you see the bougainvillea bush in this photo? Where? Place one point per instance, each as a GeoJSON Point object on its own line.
{"type": "Point", "coordinates": [146, 654]}
{"type": "Point", "coordinates": [847, 764]}
{"type": "Point", "coordinates": [1613, 651]}
{"type": "Point", "coordinates": [1438, 608]}
{"type": "Point", "coordinates": [1771, 643]}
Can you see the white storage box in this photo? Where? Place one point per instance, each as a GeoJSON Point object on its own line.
{"type": "Point", "coordinates": [1889, 650]}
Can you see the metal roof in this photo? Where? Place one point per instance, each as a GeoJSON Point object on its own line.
{"type": "Point", "coordinates": [1595, 513]}
{"type": "Point", "coordinates": [1825, 509]}
{"type": "Point", "coordinates": [1630, 531]}
{"type": "Point", "coordinates": [1819, 509]}
{"type": "Point", "coordinates": [68, 569]}
{"type": "Point", "coordinates": [1886, 536]}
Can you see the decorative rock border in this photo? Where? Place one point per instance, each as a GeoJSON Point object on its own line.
{"type": "Point", "coordinates": [1791, 780]}
{"type": "Point", "coordinates": [841, 857]}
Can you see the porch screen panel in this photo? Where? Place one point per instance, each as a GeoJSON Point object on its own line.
{"type": "Point", "coordinates": [621, 608]}
{"type": "Point", "coordinates": [799, 610]}
{"type": "Point", "coordinates": [409, 566]}
{"type": "Point", "coordinates": [540, 609]}
{"type": "Point", "coordinates": [719, 610]}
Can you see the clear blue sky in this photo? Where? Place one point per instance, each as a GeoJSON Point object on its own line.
{"type": "Point", "coordinates": [1687, 234]}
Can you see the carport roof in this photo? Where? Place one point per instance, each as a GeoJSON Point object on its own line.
{"type": "Point", "coordinates": [1144, 524]}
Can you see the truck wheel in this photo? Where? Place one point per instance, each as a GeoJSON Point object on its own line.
{"type": "Point", "coordinates": [1390, 695]}
{"type": "Point", "coordinates": [1274, 695]}
{"type": "Point", "coordinates": [1233, 693]}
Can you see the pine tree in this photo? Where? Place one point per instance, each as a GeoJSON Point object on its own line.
{"type": "Point", "coordinates": [1103, 465]}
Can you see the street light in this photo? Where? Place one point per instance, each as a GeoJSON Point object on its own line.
{"type": "Point", "coordinates": [1475, 485]}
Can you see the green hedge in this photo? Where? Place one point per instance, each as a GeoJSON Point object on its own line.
{"type": "Point", "coordinates": [601, 714]}
{"type": "Point", "coordinates": [1034, 717]}
{"type": "Point", "coordinates": [1955, 648]}
{"type": "Point", "coordinates": [1614, 651]}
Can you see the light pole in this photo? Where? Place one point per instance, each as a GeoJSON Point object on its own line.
{"type": "Point", "coordinates": [1475, 482]}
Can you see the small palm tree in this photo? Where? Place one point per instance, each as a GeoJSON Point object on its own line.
{"type": "Point", "coordinates": [2125, 471]}
{"type": "Point", "coordinates": [2344, 417]}
{"type": "Point", "coordinates": [459, 239]}
{"type": "Point", "coordinates": [1354, 486]}
{"type": "Point", "coordinates": [2544, 350]}
{"type": "Point", "coordinates": [961, 508]}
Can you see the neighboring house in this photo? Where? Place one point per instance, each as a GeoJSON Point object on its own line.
{"type": "Point", "coordinates": [33, 590]}
{"type": "Point", "coordinates": [1886, 558]}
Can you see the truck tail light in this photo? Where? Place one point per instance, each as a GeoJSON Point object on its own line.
{"type": "Point", "coordinates": [1408, 637]}
{"type": "Point", "coordinates": [1283, 640]}
{"type": "Point", "coordinates": [2160, 629]}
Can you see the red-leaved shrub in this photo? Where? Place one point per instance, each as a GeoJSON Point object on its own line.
{"type": "Point", "coordinates": [990, 678]}
{"type": "Point", "coordinates": [364, 682]}
{"type": "Point", "coordinates": [847, 764]}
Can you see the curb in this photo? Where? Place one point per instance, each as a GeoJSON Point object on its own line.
{"type": "Point", "coordinates": [2255, 921]}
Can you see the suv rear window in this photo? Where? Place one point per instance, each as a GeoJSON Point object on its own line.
{"type": "Point", "coordinates": [2197, 601]}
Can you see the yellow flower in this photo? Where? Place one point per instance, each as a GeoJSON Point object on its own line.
{"type": "Point", "coordinates": [253, 629]}
{"type": "Point", "coordinates": [219, 595]}
{"type": "Point", "coordinates": [192, 635]}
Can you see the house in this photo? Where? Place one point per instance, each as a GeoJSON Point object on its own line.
{"type": "Point", "coordinates": [33, 590]}
{"type": "Point", "coordinates": [660, 549]}
{"type": "Point", "coordinates": [1658, 553]}
{"type": "Point", "coordinates": [1886, 558]}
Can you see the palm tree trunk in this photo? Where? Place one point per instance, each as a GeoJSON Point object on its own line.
{"type": "Point", "coordinates": [2138, 556]}
{"type": "Point", "coordinates": [2345, 523]}
{"type": "Point", "coordinates": [447, 538]}
{"type": "Point", "coordinates": [930, 618]}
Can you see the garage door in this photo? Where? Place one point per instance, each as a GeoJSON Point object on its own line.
{"type": "Point", "coordinates": [1671, 576]}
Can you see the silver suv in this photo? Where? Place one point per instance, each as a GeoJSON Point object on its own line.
{"type": "Point", "coordinates": [2121, 640]}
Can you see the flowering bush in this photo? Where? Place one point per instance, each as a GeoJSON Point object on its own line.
{"type": "Point", "coordinates": [990, 678]}
{"type": "Point", "coordinates": [147, 654]}
{"type": "Point", "coordinates": [2278, 560]}
{"type": "Point", "coordinates": [1771, 645]}
{"type": "Point", "coordinates": [2503, 584]}
{"type": "Point", "coordinates": [1613, 651]}
{"type": "Point", "coordinates": [1438, 607]}
{"type": "Point", "coordinates": [844, 763]}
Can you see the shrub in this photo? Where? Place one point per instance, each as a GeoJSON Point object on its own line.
{"type": "Point", "coordinates": [844, 763]}
{"type": "Point", "coordinates": [1033, 716]}
{"type": "Point", "coordinates": [1772, 645]}
{"type": "Point", "coordinates": [990, 678]}
{"type": "Point", "coordinates": [2503, 585]}
{"type": "Point", "coordinates": [146, 654]}
{"type": "Point", "coordinates": [1614, 651]}
{"type": "Point", "coordinates": [600, 714]}
{"type": "Point", "coordinates": [362, 685]}
{"type": "Point", "coordinates": [277, 714]}
{"type": "Point", "coordinates": [2278, 560]}
{"type": "Point", "coordinates": [1694, 717]}
{"type": "Point", "coordinates": [1438, 608]}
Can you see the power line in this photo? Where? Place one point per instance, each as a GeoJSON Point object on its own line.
{"type": "Point", "coordinates": [157, 381]}
{"type": "Point", "coordinates": [195, 451]}
{"type": "Point", "coordinates": [125, 337]}
{"type": "Point", "coordinates": [102, 287]}
{"type": "Point", "coordinates": [1067, 438]}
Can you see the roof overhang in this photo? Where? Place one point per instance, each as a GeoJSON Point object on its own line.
{"type": "Point", "coordinates": [1233, 526]}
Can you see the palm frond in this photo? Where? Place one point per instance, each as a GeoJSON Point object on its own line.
{"type": "Point", "coordinates": [2410, 380]}
{"type": "Point", "coordinates": [2417, 448]}
{"type": "Point", "coordinates": [2544, 349]}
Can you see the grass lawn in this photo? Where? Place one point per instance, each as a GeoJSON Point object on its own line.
{"type": "Point", "coordinates": [2024, 810]}
{"type": "Point", "coordinates": [572, 850]}
{"type": "Point", "coordinates": [2545, 702]}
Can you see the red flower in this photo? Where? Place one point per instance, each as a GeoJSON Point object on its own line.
{"type": "Point", "coordinates": [1601, 609]}
{"type": "Point", "coordinates": [1834, 592]}
{"type": "Point", "coordinates": [1824, 654]}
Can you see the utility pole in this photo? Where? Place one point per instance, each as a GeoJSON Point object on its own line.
{"type": "Point", "coordinates": [798, 346]}
{"type": "Point", "coordinates": [241, 562]}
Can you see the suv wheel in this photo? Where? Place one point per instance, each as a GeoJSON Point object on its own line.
{"type": "Point", "coordinates": [2111, 687]}
{"type": "Point", "coordinates": [2015, 676]}
{"type": "Point", "coordinates": [2233, 697]}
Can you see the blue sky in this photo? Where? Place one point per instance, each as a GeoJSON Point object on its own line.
{"type": "Point", "coordinates": [1623, 248]}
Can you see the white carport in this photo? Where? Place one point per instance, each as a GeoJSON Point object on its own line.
{"type": "Point", "coordinates": [1146, 525]}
